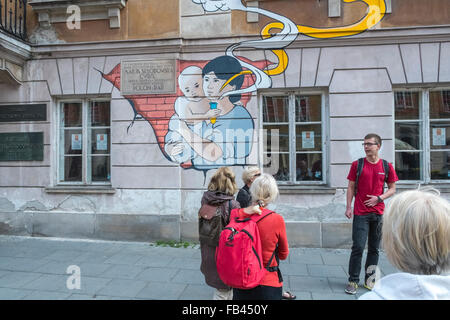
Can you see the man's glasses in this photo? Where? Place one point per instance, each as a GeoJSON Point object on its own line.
{"type": "Point", "coordinates": [257, 175]}
{"type": "Point", "coordinates": [368, 144]}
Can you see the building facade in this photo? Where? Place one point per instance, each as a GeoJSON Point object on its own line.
{"type": "Point", "coordinates": [107, 121]}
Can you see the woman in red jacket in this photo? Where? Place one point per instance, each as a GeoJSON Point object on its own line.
{"type": "Point", "coordinates": [272, 231]}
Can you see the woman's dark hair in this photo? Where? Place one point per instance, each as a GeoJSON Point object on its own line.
{"type": "Point", "coordinates": [224, 67]}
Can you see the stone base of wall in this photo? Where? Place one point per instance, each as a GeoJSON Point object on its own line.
{"type": "Point", "coordinates": [120, 227]}
{"type": "Point", "coordinates": [132, 227]}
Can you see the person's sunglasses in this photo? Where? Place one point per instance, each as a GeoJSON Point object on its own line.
{"type": "Point", "coordinates": [369, 144]}
{"type": "Point", "coordinates": [257, 175]}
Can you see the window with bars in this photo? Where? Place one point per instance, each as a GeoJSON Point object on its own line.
{"type": "Point", "coordinates": [422, 137]}
{"type": "Point", "coordinates": [295, 121]}
{"type": "Point", "coordinates": [84, 142]}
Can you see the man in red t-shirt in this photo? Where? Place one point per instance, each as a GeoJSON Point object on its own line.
{"type": "Point", "coordinates": [368, 210]}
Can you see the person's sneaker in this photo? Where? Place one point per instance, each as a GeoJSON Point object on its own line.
{"type": "Point", "coordinates": [369, 285]}
{"type": "Point", "coordinates": [351, 288]}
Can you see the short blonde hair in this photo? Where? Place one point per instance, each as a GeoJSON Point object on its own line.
{"type": "Point", "coordinates": [223, 180]}
{"type": "Point", "coordinates": [264, 190]}
{"type": "Point", "coordinates": [249, 173]}
{"type": "Point", "coordinates": [416, 232]}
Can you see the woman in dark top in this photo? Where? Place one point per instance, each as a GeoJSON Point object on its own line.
{"type": "Point", "coordinates": [249, 174]}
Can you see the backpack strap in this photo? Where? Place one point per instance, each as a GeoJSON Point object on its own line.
{"type": "Point", "coordinates": [386, 170]}
{"type": "Point", "coordinates": [264, 215]}
{"type": "Point", "coordinates": [275, 268]}
{"type": "Point", "coordinates": [359, 169]}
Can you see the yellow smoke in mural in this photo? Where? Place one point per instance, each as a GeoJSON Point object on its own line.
{"type": "Point", "coordinates": [376, 11]}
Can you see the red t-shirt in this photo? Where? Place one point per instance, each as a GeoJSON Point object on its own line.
{"type": "Point", "coordinates": [272, 230]}
{"type": "Point", "coordinates": [370, 182]}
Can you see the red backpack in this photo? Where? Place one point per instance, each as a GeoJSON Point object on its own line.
{"type": "Point", "coordinates": [239, 254]}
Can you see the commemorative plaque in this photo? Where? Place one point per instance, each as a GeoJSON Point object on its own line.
{"type": "Point", "coordinates": [22, 146]}
{"type": "Point", "coordinates": [147, 77]}
{"type": "Point", "coordinates": [24, 112]}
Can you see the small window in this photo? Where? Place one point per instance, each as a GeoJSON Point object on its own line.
{"type": "Point", "coordinates": [295, 122]}
{"type": "Point", "coordinates": [84, 142]}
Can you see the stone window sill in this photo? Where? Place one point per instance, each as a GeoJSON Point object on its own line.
{"type": "Point", "coordinates": [306, 189]}
{"type": "Point", "coordinates": [81, 189]}
{"type": "Point", "coordinates": [442, 187]}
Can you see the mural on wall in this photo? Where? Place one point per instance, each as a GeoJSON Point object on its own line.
{"type": "Point", "coordinates": [205, 124]}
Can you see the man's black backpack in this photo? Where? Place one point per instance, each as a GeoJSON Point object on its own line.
{"type": "Point", "coordinates": [211, 222]}
{"type": "Point", "coordinates": [359, 169]}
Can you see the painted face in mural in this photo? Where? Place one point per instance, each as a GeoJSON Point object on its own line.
{"type": "Point", "coordinates": [212, 86]}
{"type": "Point", "coordinates": [190, 82]}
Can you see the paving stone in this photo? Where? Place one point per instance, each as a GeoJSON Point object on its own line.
{"type": "Point", "coordinates": [21, 264]}
{"type": "Point", "coordinates": [124, 258]}
{"type": "Point", "coordinates": [155, 261]}
{"type": "Point", "coordinates": [64, 255]}
{"type": "Point", "coordinates": [335, 259]}
{"type": "Point", "coordinates": [123, 272]}
{"type": "Point", "coordinates": [157, 274]}
{"type": "Point", "coordinates": [122, 288]}
{"type": "Point", "coordinates": [197, 292]}
{"type": "Point", "coordinates": [186, 263]}
{"type": "Point", "coordinates": [89, 285]}
{"type": "Point", "coordinates": [162, 291]}
{"type": "Point", "coordinates": [47, 295]}
{"type": "Point", "coordinates": [95, 257]}
{"type": "Point", "coordinates": [189, 277]}
{"type": "Point", "coordinates": [297, 269]}
{"type": "Point", "coordinates": [13, 294]}
{"type": "Point", "coordinates": [86, 269]}
{"type": "Point", "coordinates": [305, 258]}
{"type": "Point", "coordinates": [332, 296]}
{"type": "Point", "coordinates": [317, 270]}
{"type": "Point", "coordinates": [17, 279]}
{"type": "Point", "coordinates": [309, 284]}
{"type": "Point", "coordinates": [47, 282]}
{"type": "Point", "coordinates": [77, 296]}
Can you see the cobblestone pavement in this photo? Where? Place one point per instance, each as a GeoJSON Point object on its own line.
{"type": "Point", "coordinates": [48, 268]}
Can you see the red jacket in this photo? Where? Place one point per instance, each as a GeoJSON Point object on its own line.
{"type": "Point", "coordinates": [272, 230]}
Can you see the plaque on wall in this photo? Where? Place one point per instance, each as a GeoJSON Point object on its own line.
{"type": "Point", "coordinates": [147, 77]}
{"type": "Point", "coordinates": [22, 146]}
{"type": "Point", "coordinates": [24, 112]}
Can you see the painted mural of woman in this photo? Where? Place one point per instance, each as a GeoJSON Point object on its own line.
{"type": "Point", "coordinates": [226, 141]}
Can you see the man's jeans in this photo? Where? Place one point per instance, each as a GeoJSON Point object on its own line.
{"type": "Point", "coordinates": [366, 226]}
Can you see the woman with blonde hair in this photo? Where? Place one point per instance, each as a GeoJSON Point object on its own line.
{"type": "Point", "coordinates": [214, 215]}
{"type": "Point", "coordinates": [416, 239]}
{"type": "Point", "coordinates": [272, 231]}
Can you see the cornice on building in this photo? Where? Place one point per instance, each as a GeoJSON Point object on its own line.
{"type": "Point", "coordinates": [203, 45]}
{"type": "Point", "coordinates": [13, 55]}
{"type": "Point", "coordinates": [56, 11]}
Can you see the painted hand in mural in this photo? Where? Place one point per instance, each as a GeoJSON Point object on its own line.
{"type": "Point", "coordinates": [220, 5]}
